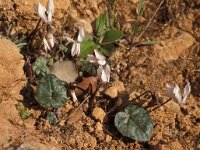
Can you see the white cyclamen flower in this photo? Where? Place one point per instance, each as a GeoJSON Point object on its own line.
{"type": "Point", "coordinates": [46, 15]}
{"type": "Point", "coordinates": [76, 47]}
{"type": "Point", "coordinates": [97, 58]}
{"type": "Point", "coordinates": [46, 45]}
{"type": "Point", "coordinates": [174, 92]}
{"type": "Point", "coordinates": [104, 73]}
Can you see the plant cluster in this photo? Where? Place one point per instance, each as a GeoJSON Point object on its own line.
{"type": "Point", "coordinates": [92, 51]}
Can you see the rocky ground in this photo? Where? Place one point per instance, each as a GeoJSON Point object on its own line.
{"type": "Point", "coordinates": [135, 70]}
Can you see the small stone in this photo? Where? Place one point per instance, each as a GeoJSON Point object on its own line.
{"type": "Point", "coordinates": [92, 142]}
{"type": "Point", "coordinates": [99, 114]}
{"type": "Point", "coordinates": [108, 138]}
{"type": "Point", "coordinates": [99, 127]}
{"type": "Point", "coordinates": [115, 89]}
{"type": "Point", "coordinates": [29, 123]}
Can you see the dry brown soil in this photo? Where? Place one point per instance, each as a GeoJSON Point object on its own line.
{"type": "Point", "coordinates": [140, 68]}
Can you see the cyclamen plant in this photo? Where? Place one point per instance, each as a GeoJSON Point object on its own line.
{"type": "Point", "coordinates": [46, 15]}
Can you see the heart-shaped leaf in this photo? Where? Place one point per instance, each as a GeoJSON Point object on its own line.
{"type": "Point", "coordinates": [134, 122]}
{"type": "Point", "coordinates": [111, 36]}
{"type": "Point", "coordinates": [51, 92]}
{"type": "Point", "coordinates": [40, 67]}
{"type": "Point", "coordinates": [52, 118]}
{"type": "Point", "coordinates": [87, 47]}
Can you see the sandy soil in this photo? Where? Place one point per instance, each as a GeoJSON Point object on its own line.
{"type": "Point", "coordinates": [135, 69]}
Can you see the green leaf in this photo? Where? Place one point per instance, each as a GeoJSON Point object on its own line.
{"type": "Point", "coordinates": [40, 67]}
{"type": "Point", "coordinates": [111, 36]}
{"type": "Point", "coordinates": [100, 25]}
{"type": "Point", "coordinates": [140, 8]}
{"type": "Point", "coordinates": [108, 49]}
{"type": "Point", "coordinates": [52, 118]}
{"type": "Point", "coordinates": [134, 122]}
{"type": "Point", "coordinates": [51, 92]}
{"type": "Point", "coordinates": [134, 28]}
{"type": "Point", "coordinates": [87, 47]}
{"type": "Point", "coordinates": [23, 111]}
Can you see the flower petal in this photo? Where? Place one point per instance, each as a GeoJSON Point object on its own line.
{"type": "Point", "coordinates": [91, 58]}
{"type": "Point", "coordinates": [170, 93]}
{"type": "Point", "coordinates": [46, 45]}
{"type": "Point", "coordinates": [50, 10]}
{"type": "Point", "coordinates": [42, 12]}
{"type": "Point", "coordinates": [104, 73]}
{"type": "Point", "coordinates": [107, 71]}
{"type": "Point", "coordinates": [100, 57]}
{"type": "Point", "coordinates": [186, 91]}
{"type": "Point", "coordinates": [78, 46]}
{"type": "Point", "coordinates": [177, 94]}
{"type": "Point", "coordinates": [81, 34]}
{"type": "Point", "coordinates": [99, 71]}
{"type": "Point", "coordinates": [73, 49]}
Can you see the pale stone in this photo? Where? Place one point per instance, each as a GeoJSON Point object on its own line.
{"type": "Point", "coordinates": [99, 114]}
{"type": "Point", "coordinates": [115, 89]}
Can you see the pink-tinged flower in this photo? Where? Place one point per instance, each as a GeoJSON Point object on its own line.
{"type": "Point", "coordinates": [173, 91]}
{"type": "Point", "coordinates": [45, 14]}
{"type": "Point", "coordinates": [97, 58]}
{"type": "Point", "coordinates": [76, 47]}
{"type": "Point", "coordinates": [104, 73]}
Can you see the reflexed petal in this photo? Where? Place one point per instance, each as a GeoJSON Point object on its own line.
{"type": "Point", "coordinates": [107, 71]}
{"type": "Point", "coordinates": [104, 76]}
{"type": "Point", "coordinates": [170, 91]}
{"type": "Point", "coordinates": [104, 73]}
{"type": "Point", "coordinates": [78, 49]}
{"type": "Point", "coordinates": [100, 58]}
{"type": "Point", "coordinates": [42, 12]}
{"type": "Point", "coordinates": [91, 58]}
{"type": "Point", "coordinates": [50, 10]}
{"type": "Point", "coordinates": [73, 50]}
{"type": "Point", "coordinates": [46, 45]}
{"type": "Point", "coordinates": [99, 71]}
{"type": "Point", "coordinates": [81, 35]}
{"type": "Point", "coordinates": [177, 93]}
{"type": "Point", "coordinates": [186, 91]}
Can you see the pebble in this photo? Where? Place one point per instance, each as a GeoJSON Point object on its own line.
{"type": "Point", "coordinates": [99, 127]}
{"type": "Point", "coordinates": [99, 114]}
{"type": "Point", "coordinates": [115, 89]}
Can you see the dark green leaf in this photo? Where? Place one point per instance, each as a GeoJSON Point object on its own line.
{"type": "Point", "coordinates": [111, 36]}
{"type": "Point", "coordinates": [100, 25]}
{"type": "Point", "coordinates": [87, 47]}
{"type": "Point", "coordinates": [51, 92]}
{"type": "Point", "coordinates": [52, 118]}
{"type": "Point", "coordinates": [40, 67]}
{"type": "Point", "coordinates": [108, 49]}
{"type": "Point", "coordinates": [134, 122]}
